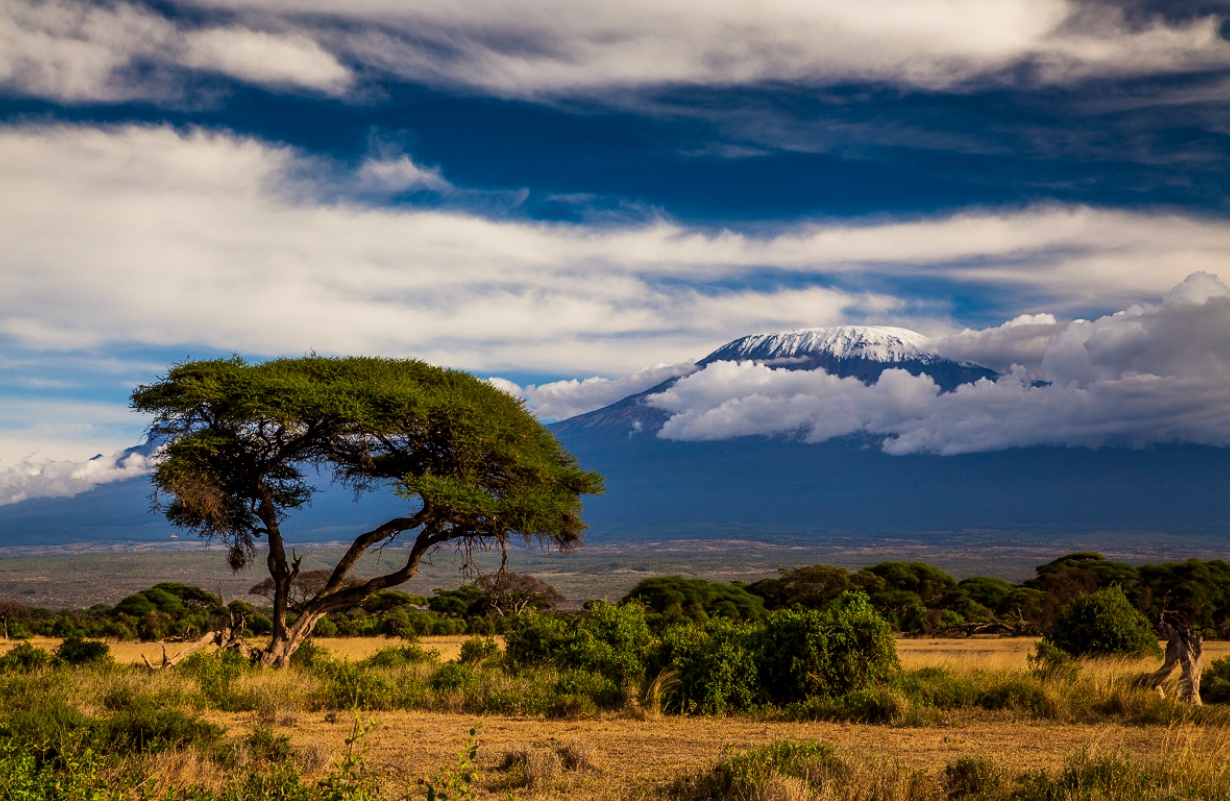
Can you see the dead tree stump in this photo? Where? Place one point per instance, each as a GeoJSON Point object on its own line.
{"type": "Point", "coordinates": [229, 637]}
{"type": "Point", "coordinates": [1184, 650]}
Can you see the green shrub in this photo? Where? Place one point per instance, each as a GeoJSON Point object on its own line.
{"type": "Point", "coordinates": [349, 686]}
{"type": "Point", "coordinates": [537, 639]}
{"type": "Point", "coordinates": [454, 677]}
{"type": "Point", "coordinates": [25, 657]}
{"type": "Point", "coordinates": [830, 652]}
{"type": "Point", "coordinates": [674, 598]}
{"type": "Point", "coordinates": [614, 641]}
{"type": "Point", "coordinates": [215, 675]}
{"type": "Point", "coordinates": [716, 666]}
{"type": "Point", "coordinates": [1049, 662]}
{"type": "Point", "coordinates": [146, 728]}
{"type": "Point", "coordinates": [1103, 623]}
{"type": "Point", "coordinates": [309, 655]}
{"type": "Point", "coordinates": [400, 657]}
{"type": "Point", "coordinates": [76, 651]}
{"type": "Point", "coordinates": [580, 693]}
{"type": "Point", "coordinates": [477, 650]}
{"type": "Point", "coordinates": [1215, 681]}
{"type": "Point", "coordinates": [325, 628]}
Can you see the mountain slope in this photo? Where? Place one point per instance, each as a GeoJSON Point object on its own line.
{"type": "Point", "coordinates": [862, 352]}
{"type": "Point", "coordinates": [762, 487]}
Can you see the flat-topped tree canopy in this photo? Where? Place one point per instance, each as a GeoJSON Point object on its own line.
{"type": "Point", "coordinates": [242, 441]}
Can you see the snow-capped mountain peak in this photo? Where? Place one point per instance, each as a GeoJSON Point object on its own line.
{"type": "Point", "coordinates": [870, 342]}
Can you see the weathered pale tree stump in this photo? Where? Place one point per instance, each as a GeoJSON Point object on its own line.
{"type": "Point", "coordinates": [1184, 650]}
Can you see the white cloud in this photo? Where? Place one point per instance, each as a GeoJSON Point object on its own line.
{"type": "Point", "coordinates": [399, 174]}
{"type": "Point", "coordinates": [32, 478]}
{"type": "Point", "coordinates": [264, 58]}
{"type": "Point", "coordinates": [1149, 374]}
{"type": "Point", "coordinates": [75, 50]}
{"type": "Point", "coordinates": [559, 400]}
{"type": "Point", "coordinates": [79, 51]}
{"type": "Point", "coordinates": [153, 236]}
{"type": "Point", "coordinates": [1022, 341]}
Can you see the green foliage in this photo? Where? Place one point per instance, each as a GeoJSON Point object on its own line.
{"type": "Point", "coordinates": [25, 657]}
{"type": "Point", "coordinates": [400, 657]}
{"type": "Point", "coordinates": [472, 454]}
{"type": "Point", "coordinates": [76, 651]}
{"type": "Point", "coordinates": [1192, 593]}
{"type": "Point", "coordinates": [454, 677]}
{"type": "Point", "coordinates": [215, 675]}
{"type": "Point", "coordinates": [813, 587]}
{"type": "Point", "coordinates": [1050, 662]}
{"type": "Point", "coordinates": [461, 602]}
{"type": "Point", "coordinates": [613, 641]}
{"type": "Point", "coordinates": [1215, 682]}
{"type": "Point", "coordinates": [675, 598]}
{"type": "Point", "coordinates": [716, 666]}
{"type": "Point", "coordinates": [1104, 624]}
{"type": "Point", "coordinates": [478, 650]}
{"type": "Point", "coordinates": [830, 652]}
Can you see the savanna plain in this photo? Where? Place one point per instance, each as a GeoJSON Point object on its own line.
{"type": "Point", "coordinates": [333, 724]}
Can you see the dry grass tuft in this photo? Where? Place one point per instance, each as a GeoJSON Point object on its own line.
{"type": "Point", "coordinates": [576, 755]}
{"type": "Point", "coordinates": [538, 767]}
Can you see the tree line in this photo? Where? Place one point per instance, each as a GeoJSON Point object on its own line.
{"type": "Point", "coordinates": [913, 597]}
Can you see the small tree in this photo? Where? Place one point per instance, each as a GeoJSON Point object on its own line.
{"type": "Point", "coordinates": [240, 440]}
{"type": "Point", "coordinates": [12, 610]}
{"type": "Point", "coordinates": [1104, 624]}
{"type": "Point", "coordinates": [508, 593]}
{"type": "Point", "coordinates": [305, 586]}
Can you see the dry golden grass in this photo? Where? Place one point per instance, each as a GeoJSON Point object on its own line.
{"type": "Point", "coordinates": [628, 756]}
{"type": "Point", "coordinates": [1005, 654]}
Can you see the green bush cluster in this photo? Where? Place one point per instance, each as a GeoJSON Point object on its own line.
{"type": "Point", "coordinates": [614, 656]}
{"type": "Point", "coordinates": [1103, 623]}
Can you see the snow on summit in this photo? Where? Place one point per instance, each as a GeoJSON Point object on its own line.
{"type": "Point", "coordinates": [874, 343]}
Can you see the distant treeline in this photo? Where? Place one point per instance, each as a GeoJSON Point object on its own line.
{"type": "Point", "coordinates": [913, 597]}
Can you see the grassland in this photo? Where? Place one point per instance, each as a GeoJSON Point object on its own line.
{"type": "Point", "coordinates": [632, 754]}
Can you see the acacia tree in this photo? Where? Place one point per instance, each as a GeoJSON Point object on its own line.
{"type": "Point", "coordinates": [506, 592]}
{"type": "Point", "coordinates": [240, 441]}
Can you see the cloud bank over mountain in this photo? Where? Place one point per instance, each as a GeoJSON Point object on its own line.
{"type": "Point", "coordinates": [79, 51]}
{"type": "Point", "coordinates": [1153, 373]}
{"type": "Point", "coordinates": [47, 478]}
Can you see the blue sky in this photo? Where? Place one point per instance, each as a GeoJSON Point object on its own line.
{"type": "Point", "coordinates": [544, 191]}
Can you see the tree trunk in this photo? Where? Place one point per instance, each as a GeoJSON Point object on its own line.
{"type": "Point", "coordinates": [228, 638]}
{"type": "Point", "coordinates": [286, 641]}
{"type": "Point", "coordinates": [1184, 650]}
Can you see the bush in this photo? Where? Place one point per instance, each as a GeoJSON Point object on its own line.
{"type": "Point", "coordinates": [675, 598]}
{"type": "Point", "coordinates": [453, 677]}
{"type": "Point", "coordinates": [1103, 623]}
{"type": "Point", "coordinates": [215, 674]}
{"type": "Point", "coordinates": [1049, 662]}
{"type": "Point", "coordinates": [477, 650]}
{"type": "Point", "coordinates": [25, 657]}
{"type": "Point", "coordinates": [830, 652]}
{"type": "Point", "coordinates": [716, 667]}
{"type": "Point", "coordinates": [614, 641]}
{"type": "Point", "coordinates": [1215, 682]}
{"type": "Point", "coordinates": [76, 651]}
{"type": "Point", "coordinates": [412, 654]}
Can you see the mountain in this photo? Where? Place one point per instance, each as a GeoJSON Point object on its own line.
{"type": "Point", "coordinates": [767, 487]}
{"type": "Point", "coordinates": [862, 352]}
{"type": "Point", "coordinates": [770, 486]}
